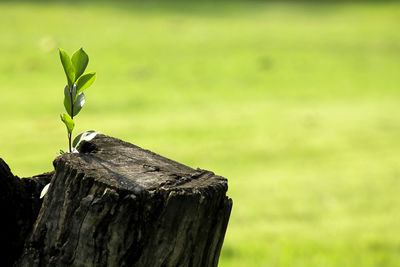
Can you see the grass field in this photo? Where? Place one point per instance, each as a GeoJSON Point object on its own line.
{"type": "Point", "coordinates": [296, 103]}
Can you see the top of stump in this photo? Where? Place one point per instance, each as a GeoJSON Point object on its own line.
{"type": "Point", "coordinates": [122, 165]}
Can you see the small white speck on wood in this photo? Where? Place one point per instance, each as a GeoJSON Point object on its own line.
{"type": "Point", "coordinates": [44, 191]}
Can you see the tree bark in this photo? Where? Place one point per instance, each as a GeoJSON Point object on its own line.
{"type": "Point", "coordinates": [115, 204]}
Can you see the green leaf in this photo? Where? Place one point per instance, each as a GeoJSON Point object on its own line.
{"type": "Point", "coordinates": [68, 67]}
{"type": "Point", "coordinates": [74, 91]}
{"type": "Point", "coordinates": [80, 61]}
{"type": "Point", "coordinates": [85, 81]}
{"type": "Point", "coordinates": [87, 136]}
{"type": "Point", "coordinates": [67, 98]}
{"type": "Point", "coordinates": [80, 101]}
{"type": "Point", "coordinates": [69, 123]}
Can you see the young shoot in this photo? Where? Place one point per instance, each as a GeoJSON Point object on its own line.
{"type": "Point", "coordinates": [74, 98]}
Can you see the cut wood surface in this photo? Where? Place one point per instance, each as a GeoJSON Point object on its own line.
{"type": "Point", "coordinates": [116, 204]}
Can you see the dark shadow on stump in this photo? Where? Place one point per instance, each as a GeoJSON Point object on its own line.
{"type": "Point", "coordinates": [19, 207]}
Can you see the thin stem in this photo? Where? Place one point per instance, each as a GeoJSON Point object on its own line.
{"type": "Point", "coordinates": [72, 103]}
{"type": "Point", "coordinates": [69, 142]}
{"type": "Point", "coordinates": [72, 117]}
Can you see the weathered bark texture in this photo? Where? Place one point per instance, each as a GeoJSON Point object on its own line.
{"type": "Point", "coordinates": [19, 207]}
{"type": "Point", "coordinates": [115, 204]}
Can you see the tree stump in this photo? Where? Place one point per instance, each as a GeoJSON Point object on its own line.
{"type": "Point", "coordinates": [116, 204]}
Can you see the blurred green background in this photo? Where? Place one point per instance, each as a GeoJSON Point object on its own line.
{"type": "Point", "coordinates": [296, 103]}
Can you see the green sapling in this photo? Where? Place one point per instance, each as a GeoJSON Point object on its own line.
{"type": "Point", "coordinates": [74, 98]}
